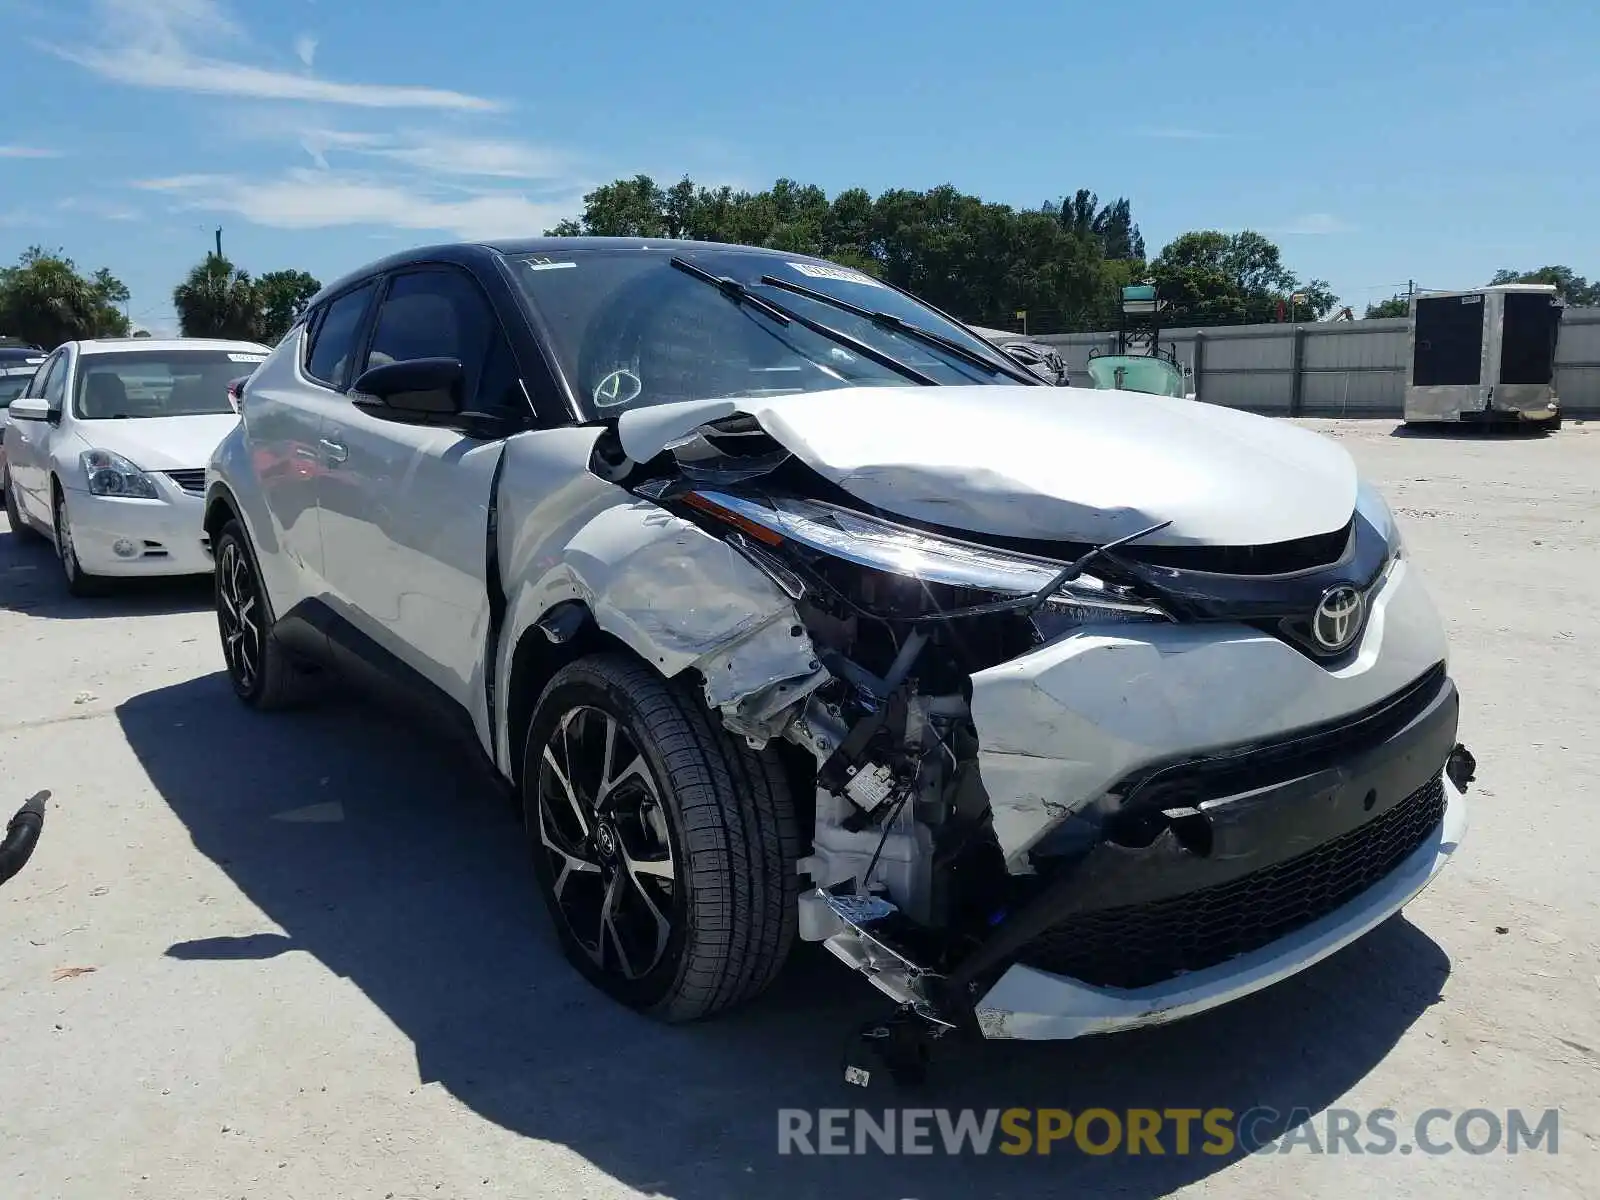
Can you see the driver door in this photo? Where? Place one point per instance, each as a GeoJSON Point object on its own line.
{"type": "Point", "coordinates": [404, 509]}
{"type": "Point", "coordinates": [28, 446]}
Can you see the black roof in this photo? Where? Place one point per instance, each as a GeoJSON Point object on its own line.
{"type": "Point", "coordinates": [468, 252]}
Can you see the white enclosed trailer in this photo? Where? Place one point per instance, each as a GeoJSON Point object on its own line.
{"type": "Point", "coordinates": [1484, 355]}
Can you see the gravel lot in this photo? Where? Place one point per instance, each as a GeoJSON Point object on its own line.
{"type": "Point", "coordinates": [319, 971]}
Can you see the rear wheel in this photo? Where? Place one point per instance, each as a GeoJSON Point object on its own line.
{"type": "Point", "coordinates": [664, 849]}
{"type": "Point", "coordinates": [19, 524]}
{"type": "Point", "coordinates": [261, 671]}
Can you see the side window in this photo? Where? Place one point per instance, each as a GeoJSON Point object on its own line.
{"type": "Point", "coordinates": [336, 338]}
{"type": "Point", "coordinates": [55, 388]}
{"type": "Point", "coordinates": [441, 313]}
{"type": "Point", "coordinates": [41, 377]}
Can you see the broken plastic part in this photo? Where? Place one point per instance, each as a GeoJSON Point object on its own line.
{"type": "Point", "coordinates": [857, 945]}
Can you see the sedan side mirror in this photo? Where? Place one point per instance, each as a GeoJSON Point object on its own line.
{"type": "Point", "coordinates": [419, 390]}
{"type": "Point", "coordinates": [30, 408]}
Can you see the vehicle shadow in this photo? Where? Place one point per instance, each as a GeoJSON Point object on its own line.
{"type": "Point", "coordinates": [385, 858]}
{"type": "Point", "coordinates": [31, 582]}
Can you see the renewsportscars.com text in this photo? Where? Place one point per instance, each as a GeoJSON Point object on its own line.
{"type": "Point", "coordinates": [1216, 1132]}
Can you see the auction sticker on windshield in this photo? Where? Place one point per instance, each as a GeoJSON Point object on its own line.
{"type": "Point", "coordinates": [843, 275]}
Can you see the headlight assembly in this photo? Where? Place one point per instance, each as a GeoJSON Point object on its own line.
{"type": "Point", "coordinates": [899, 550]}
{"type": "Point", "coordinates": [1371, 504]}
{"type": "Point", "coordinates": [112, 475]}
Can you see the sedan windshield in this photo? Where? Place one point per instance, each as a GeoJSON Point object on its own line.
{"type": "Point", "coordinates": [12, 384]}
{"type": "Point", "coordinates": [158, 383]}
{"type": "Point", "coordinates": [630, 329]}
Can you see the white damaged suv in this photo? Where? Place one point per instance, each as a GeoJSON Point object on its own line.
{"type": "Point", "coordinates": [787, 607]}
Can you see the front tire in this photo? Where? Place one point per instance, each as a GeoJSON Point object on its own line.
{"type": "Point", "coordinates": [665, 850]}
{"type": "Point", "coordinates": [260, 670]}
{"type": "Point", "coordinates": [79, 582]}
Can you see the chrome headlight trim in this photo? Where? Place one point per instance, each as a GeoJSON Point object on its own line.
{"type": "Point", "coordinates": [901, 550]}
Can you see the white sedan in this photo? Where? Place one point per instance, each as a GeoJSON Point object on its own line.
{"type": "Point", "coordinates": [106, 452]}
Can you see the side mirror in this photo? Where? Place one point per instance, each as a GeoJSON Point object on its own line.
{"type": "Point", "coordinates": [423, 390]}
{"type": "Point", "coordinates": [30, 408]}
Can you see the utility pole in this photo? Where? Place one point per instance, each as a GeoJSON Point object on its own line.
{"type": "Point", "coordinates": [219, 241]}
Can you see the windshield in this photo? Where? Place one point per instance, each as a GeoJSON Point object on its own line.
{"type": "Point", "coordinates": [158, 383]}
{"type": "Point", "coordinates": [1136, 373]}
{"type": "Point", "coordinates": [630, 330]}
{"type": "Point", "coordinates": [12, 385]}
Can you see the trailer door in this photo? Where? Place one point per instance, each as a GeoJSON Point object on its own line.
{"type": "Point", "coordinates": [1449, 341]}
{"type": "Point", "coordinates": [1528, 338]}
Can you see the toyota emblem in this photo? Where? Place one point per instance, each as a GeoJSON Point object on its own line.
{"type": "Point", "coordinates": [1338, 618]}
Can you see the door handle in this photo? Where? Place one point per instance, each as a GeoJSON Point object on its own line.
{"type": "Point", "coordinates": [335, 452]}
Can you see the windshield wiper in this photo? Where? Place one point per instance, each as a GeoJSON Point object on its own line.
{"type": "Point", "coordinates": [737, 292]}
{"type": "Point", "coordinates": [890, 321]}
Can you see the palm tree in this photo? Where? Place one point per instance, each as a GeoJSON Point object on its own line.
{"type": "Point", "coordinates": [45, 301]}
{"type": "Point", "coordinates": [218, 300]}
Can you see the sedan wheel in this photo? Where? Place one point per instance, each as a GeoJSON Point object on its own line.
{"type": "Point", "coordinates": [79, 582]}
{"type": "Point", "coordinates": [19, 523]}
{"type": "Point", "coordinates": [666, 850]}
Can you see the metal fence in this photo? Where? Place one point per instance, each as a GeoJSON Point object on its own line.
{"type": "Point", "coordinates": [1330, 369]}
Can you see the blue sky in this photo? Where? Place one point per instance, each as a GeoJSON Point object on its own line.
{"type": "Point", "coordinates": [1373, 142]}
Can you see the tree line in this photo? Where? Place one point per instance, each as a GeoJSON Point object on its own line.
{"type": "Point", "coordinates": [1056, 268]}
{"type": "Point", "coordinates": [1063, 264]}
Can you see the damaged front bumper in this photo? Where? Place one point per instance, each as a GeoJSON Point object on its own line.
{"type": "Point", "coordinates": [1034, 1005]}
{"type": "Point", "coordinates": [1237, 870]}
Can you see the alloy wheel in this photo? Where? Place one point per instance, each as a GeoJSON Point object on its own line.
{"type": "Point", "coordinates": [602, 823]}
{"type": "Point", "coordinates": [239, 615]}
{"type": "Point", "coordinates": [68, 556]}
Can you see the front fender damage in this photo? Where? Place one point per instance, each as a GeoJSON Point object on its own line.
{"type": "Point", "coordinates": [687, 601]}
{"type": "Point", "coordinates": [676, 596]}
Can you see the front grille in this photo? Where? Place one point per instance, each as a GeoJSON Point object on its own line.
{"type": "Point", "coordinates": [1274, 558]}
{"type": "Point", "coordinates": [192, 481]}
{"type": "Point", "coordinates": [1142, 944]}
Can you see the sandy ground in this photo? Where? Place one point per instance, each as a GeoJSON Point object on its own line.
{"type": "Point", "coordinates": [319, 971]}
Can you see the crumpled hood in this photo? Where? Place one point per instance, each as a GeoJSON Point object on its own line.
{"type": "Point", "coordinates": [160, 443]}
{"type": "Point", "coordinates": [1069, 464]}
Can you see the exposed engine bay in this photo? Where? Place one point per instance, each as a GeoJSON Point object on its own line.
{"type": "Point", "coordinates": [922, 877]}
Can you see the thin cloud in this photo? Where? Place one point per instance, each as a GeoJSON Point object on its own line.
{"type": "Point", "coordinates": [28, 152]}
{"type": "Point", "coordinates": [308, 199]}
{"type": "Point", "coordinates": [154, 44]}
{"type": "Point", "coordinates": [106, 210]}
{"type": "Point", "coordinates": [305, 49]}
{"type": "Point", "coordinates": [20, 218]}
{"type": "Point", "coordinates": [441, 153]}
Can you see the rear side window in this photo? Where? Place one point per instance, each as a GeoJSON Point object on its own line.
{"type": "Point", "coordinates": [334, 342]}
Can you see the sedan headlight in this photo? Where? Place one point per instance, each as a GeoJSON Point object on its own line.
{"type": "Point", "coordinates": [900, 550]}
{"type": "Point", "coordinates": [112, 475]}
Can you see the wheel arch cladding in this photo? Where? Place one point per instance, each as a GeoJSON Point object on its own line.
{"type": "Point", "coordinates": [220, 509]}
